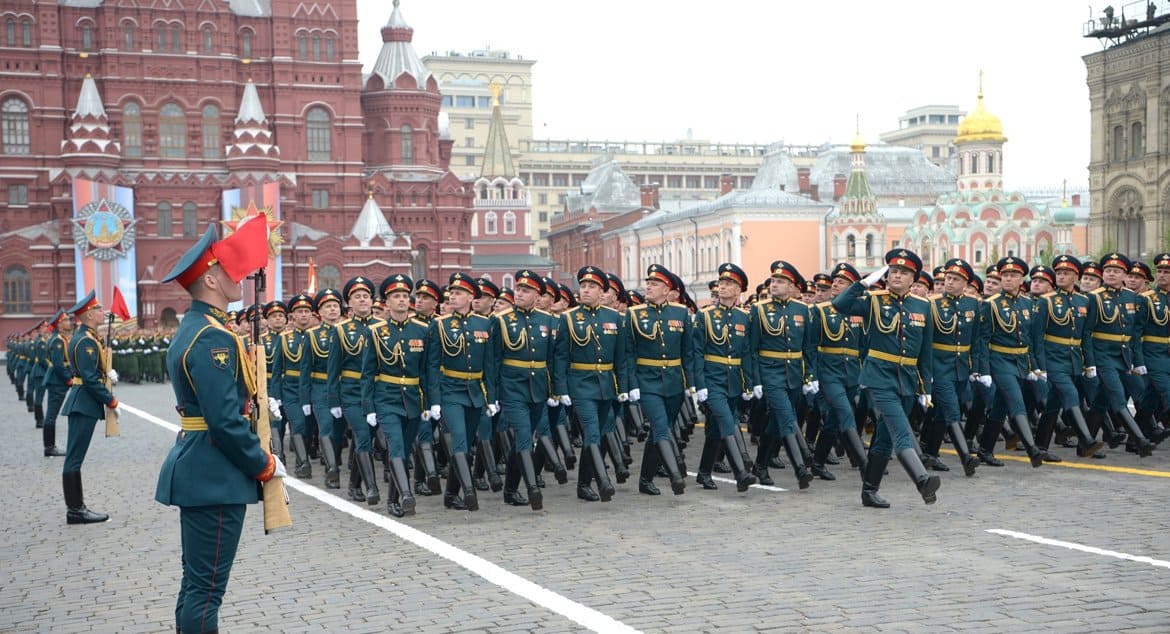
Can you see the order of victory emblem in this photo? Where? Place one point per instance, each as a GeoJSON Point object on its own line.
{"type": "Point", "coordinates": [104, 230]}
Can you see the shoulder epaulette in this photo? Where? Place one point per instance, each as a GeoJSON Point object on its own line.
{"type": "Point", "coordinates": [505, 312]}
{"type": "Point", "coordinates": [678, 304]}
{"type": "Point", "coordinates": [1098, 290]}
{"type": "Point", "coordinates": [1048, 294]}
{"type": "Point", "coordinates": [878, 293]}
{"type": "Point", "coordinates": [1149, 293]}
{"type": "Point", "coordinates": [1079, 294]}
{"type": "Point", "coordinates": [798, 302]}
{"type": "Point", "coordinates": [934, 296]}
{"type": "Point", "coordinates": [992, 298]}
{"type": "Point", "coordinates": [743, 309]}
{"type": "Point", "coordinates": [418, 321]}
{"type": "Point", "coordinates": [638, 307]}
{"type": "Point", "coordinates": [543, 312]}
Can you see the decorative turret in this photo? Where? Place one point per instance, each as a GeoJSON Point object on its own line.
{"type": "Point", "coordinates": [371, 223]}
{"type": "Point", "coordinates": [398, 66]}
{"type": "Point", "coordinates": [252, 147]}
{"type": "Point", "coordinates": [858, 198]}
{"type": "Point", "coordinates": [88, 142]}
{"type": "Point", "coordinates": [497, 157]}
{"type": "Point", "coordinates": [980, 148]}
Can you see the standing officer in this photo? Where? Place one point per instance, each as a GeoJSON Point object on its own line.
{"type": "Point", "coordinates": [270, 342]}
{"type": "Point", "coordinates": [524, 343]}
{"type": "Point", "coordinates": [956, 326]}
{"type": "Point", "coordinates": [57, 379]}
{"type": "Point", "coordinates": [785, 346]}
{"type": "Point", "coordinates": [721, 337]}
{"type": "Point", "coordinates": [217, 465]}
{"type": "Point", "coordinates": [347, 399]}
{"type": "Point", "coordinates": [897, 366]}
{"type": "Point", "coordinates": [286, 378]}
{"type": "Point", "coordinates": [85, 404]}
{"type": "Point", "coordinates": [314, 393]}
{"type": "Point", "coordinates": [461, 372]}
{"type": "Point", "coordinates": [36, 377]}
{"type": "Point", "coordinates": [394, 372]}
{"type": "Point", "coordinates": [591, 373]}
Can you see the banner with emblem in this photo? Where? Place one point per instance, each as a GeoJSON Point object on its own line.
{"type": "Point", "coordinates": [261, 198]}
{"type": "Point", "coordinates": [104, 232]}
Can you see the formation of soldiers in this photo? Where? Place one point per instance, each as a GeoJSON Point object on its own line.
{"type": "Point", "coordinates": [460, 389]}
{"type": "Point", "coordinates": [139, 355]}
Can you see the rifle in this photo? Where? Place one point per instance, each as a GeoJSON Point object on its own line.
{"type": "Point", "coordinates": [276, 513]}
{"type": "Point", "coordinates": [108, 362]}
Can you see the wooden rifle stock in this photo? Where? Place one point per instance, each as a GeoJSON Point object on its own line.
{"type": "Point", "coordinates": [276, 514]}
{"type": "Point", "coordinates": [112, 428]}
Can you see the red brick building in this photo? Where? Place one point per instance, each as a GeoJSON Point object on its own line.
{"type": "Point", "coordinates": [170, 114]}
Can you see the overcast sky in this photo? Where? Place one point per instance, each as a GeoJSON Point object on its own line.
{"type": "Point", "coordinates": [762, 70]}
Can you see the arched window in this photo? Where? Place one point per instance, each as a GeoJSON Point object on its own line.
{"type": "Point", "coordinates": [407, 145]}
{"type": "Point", "coordinates": [211, 140]}
{"type": "Point", "coordinates": [508, 281]}
{"type": "Point", "coordinates": [328, 276]}
{"type": "Point", "coordinates": [316, 47]}
{"type": "Point", "coordinates": [14, 121]}
{"type": "Point", "coordinates": [319, 127]}
{"type": "Point", "coordinates": [850, 246]}
{"type": "Point", "coordinates": [991, 162]}
{"type": "Point", "coordinates": [176, 38]}
{"type": "Point", "coordinates": [1118, 143]}
{"type": "Point", "coordinates": [509, 223]}
{"type": "Point", "coordinates": [127, 36]}
{"type": "Point", "coordinates": [87, 37]}
{"type": "Point", "coordinates": [974, 164]}
{"type": "Point", "coordinates": [17, 290]}
{"type": "Point", "coordinates": [246, 44]}
{"type": "Point", "coordinates": [329, 51]}
{"type": "Point", "coordinates": [10, 32]}
{"type": "Point", "coordinates": [302, 46]}
{"type": "Point", "coordinates": [160, 40]}
{"type": "Point", "coordinates": [208, 39]}
{"type": "Point", "coordinates": [489, 223]}
{"type": "Point", "coordinates": [26, 33]}
{"type": "Point", "coordinates": [869, 247]}
{"type": "Point", "coordinates": [190, 220]}
{"type": "Point", "coordinates": [1135, 140]}
{"type": "Point", "coordinates": [172, 132]}
{"type": "Point", "coordinates": [132, 130]}
{"type": "Point", "coordinates": [166, 219]}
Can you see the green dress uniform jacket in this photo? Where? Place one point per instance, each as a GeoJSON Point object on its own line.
{"type": "Point", "coordinates": [394, 369]}
{"type": "Point", "coordinates": [461, 364]}
{"type": "Point", "coordinates": [956, 330]}
{"type": "Point", "coordinates": [88, 396]}
{"type": "Point", "coordinates": [661, 348]}
{"type": "Point", "coordinates": [784, 344]}
{"type": "Point", "coordinates": [1058, 326]}
{"type": "Point", "coordinates": [1155, 333]}
{"type": "Point", "coordinates": [344, 383]}
{"type": "Point", "coordinates": [723, 351]}
{"type": "Point", "coordinates": [838, 343]}
{"type": "Point", "coordinates": [525, 347]}
{"type": "Point", "coordinates": [900, 332]}
{"type": "Point", "coordinates": [1006, 333]}
{"type": "Point", "coordinates": [591, 357]}
{"type": "Point", "coordinates": [60, 372]}
{"type": "Point", "coordinates": [1110, 338]}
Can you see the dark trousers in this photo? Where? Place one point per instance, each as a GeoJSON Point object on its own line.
{"type": "Point", "coordinates": [80, 433]}
{"type": "Point", "coordinates": [210, 536]}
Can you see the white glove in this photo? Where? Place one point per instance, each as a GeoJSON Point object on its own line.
{"type": "Point", "coordinates": [1140, 370]}
{"type": "Point", "coordinates": [1031, 376]}
{"type": "Point", "coordinates": [974, 378]}
{"type": "Point", "coordinates": [623, 397]}
{"type": "Point", "coordinates": [925, 401]}
{"type": "Point", "coordinates": [814, 387]}
{"type": "Point", "coordinates": [985, 380]}
{"type": "Point", "coordinates": [436, 412]}
{"type": "Point", "coordinates": [758, 391]}
{"type": "Point", "coordinates": [565, 400]}
{"type": "Point", "coordinates": [274, 407]}
{"type": "Point", "coordinates": [112, 375]}
{"type": "Point", "coordinates": [1041, 375]}
{"type": "Point", "coordinates": [701, 395]}
{"type": "Point", "coordinates": [307, 409]}
{"type": "Point", "coordinates": [336, 412]}
{"type": "Point", "coordinates": [553, 401]}
{"type": "Point", "coordinates": [747, 396]}
{"type": "Point", "coordinates": [493, 409]}
{"type": "Point", "coordinates": [118, 411]}
{"type": "Point", "coordinates": [635, 395]}
{"type": "Point", "coordinates": [372, 419]}
{"type": "Point", "coordinates": [1091, 372]}
{"type": "Point", "coordinates": [279, 472]}
{"type": "Point", "coordinates": [872, 278]}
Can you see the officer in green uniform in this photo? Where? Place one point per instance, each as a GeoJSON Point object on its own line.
{"type": "Point", "coordinates": [85, 405]}
{"type": "Point", "coordinates": [485, 461]}
{"type": "Point", "coordinates": [1156, 351]}
{"type": "Point", "coordinates": [785, 349]}
{"type": "Point", "coordinates": [57, 379]}
{"type": "Point", "coordinates": [591, 372]}
{"type": "Point", "coordinates": [217, 465]}
{"type": "Point", "coordinates": [724, 359]}
{"type": "Point", "coordinates": [347, 397]}
{"type": "Point", "coordinates": [427, 295]}
{"type": "Point", "coordinates": [314, 379]}
{"type": "Point", "coordinates": [956, 325]}
{"type": "Point", "coordinates": [460, 369]}
{"type": "Point", "coordinates": [36, 377]}
{"type": "Point", "coordinates": [393, 372]}
{"type": "Point", "coordinates": [270, 341]}
{"type": "Point", "coordinates": [286, 379]}
{"type": "Point", "coordinates": [897, 366]}
{"type": "Point", "coordinates": [524, 342]}
{"type": "Point", "coordinates": [134, 356]}
{"type": "Point", "coordinates": [556, 427]}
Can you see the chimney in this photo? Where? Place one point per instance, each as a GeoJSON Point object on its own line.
{"type": "Point", "coordinates": [802, 179]}
{"type": "Point", "coordinates": [726, 184]}
{"type": "Point", "coordinates": [649, 195]}
{"type": "Point", "coordinates": [1076, 200]}
{"type": "Point", "coordinates": [838, 186]}
{"type": "Point", "coordinates": [814, 192]}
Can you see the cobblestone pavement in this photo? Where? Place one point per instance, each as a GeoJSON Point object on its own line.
{"type": "Point", "coordinates": [812, 560]}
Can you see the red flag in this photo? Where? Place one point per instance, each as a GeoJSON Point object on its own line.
{"type": "Point", "coordinates": [312, 288]}
{"type": "Point", "coordinates": [246, 250]}
{"type": "Point", "coordinates": [118, 306]}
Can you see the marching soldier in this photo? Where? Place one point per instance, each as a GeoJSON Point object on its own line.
{"type": "Point", "coordinates": [427, 296]}
{"type": "Point", "coordinates": [314, 383]}
{"type": "Point", "coordinates": [721, 338]}
{"type": "Point", "coordinates": [286, 380]}
{"type": "Point", "coordinates": [461, 371]}
{"type": "Point", "coordinates": [394, 372]}
{"type": "Point", "coordinates": [897, 367]}
{"type": "Point", "coordinates": [86, 404]}
{"type": "Point", "coordinates": [57, 379]}
{"type": "Point", "coordinates": [558, 417]}
{"type": "Point", "coordinates": [1156, 351]}
{"type": "Point", "coordinates": [485, 461]}
{"type": "Point", "coordinates": [217, 465]}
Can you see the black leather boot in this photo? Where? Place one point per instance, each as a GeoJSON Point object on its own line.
{"type": "Point", "coordinates": [304, 468]}
{"type": "Point", "coordinates": [613, 447]}
{"type": "Point", "coordinates": [277, 445]}
{"type": "Point", "coordinates": [585, 480]}
{"type": "Point", "coordinates": [76, 512]}
{"type": "Point", "coordinates": [678, 483]}
{"type": "Point", "coordinates": [332, 470]}
{"type": "Point", "coordinates": [855, 448]}
{"type": "Point", "coordinates": [393, 506]}
{"type": "Point", "coordinates": [823, 446]}
{"type": "Point", "coordinates": [743, 477]}
{"type": "Point", "coordinates": [401, 482]}
{"type": "Point", "coordinates": [463, 475]}
{"type": "Point", "coordinates": [763, 454]}
{"type": "Point", "coordinates": [1044, 430]}
{"type": "Point", "coordinates": [1100, 420]}
{"type": "Point", "coordinates": [718, 465]}
{"type": "Point", "coordinates": [649, 468]}
{"type": "Point", "coordinates": [487, 458]}
{"type": "Point", "coordinates": [430, 471]}
{"type": "Point", "coordinates": [1143, 444]}
{"type": "Point", "coordinates": [1088, 445]}
{"type": "Point", "coordinates": [927, 484]}
{"type": "Point", "coordinates": [527, 468]}
{"type": "Point", "coordinates": [570, 459]}
{"type": "Point", "coordinates": [605, 489]}
{"type": "Point", "coordinates": [365, 461]}
{"type": "Point", "coordinates": [871, 481]}
{"type": "Point", "coordinates": [49, 436]}
{"type": "Point", "coordinates": [706, 462]}
{"type": "Point", "coordinates": [451, 497]}
{"type": "Point", "coordinates": [548, 453]}
{"type": "Point", "coordinates": [355, 479]}
{"type": "Point", "coordinates": [969, 461]}
{"type": "Point", "coordinates": [39, 415]}
{"type": "Point", "coordinates": [804, 475]}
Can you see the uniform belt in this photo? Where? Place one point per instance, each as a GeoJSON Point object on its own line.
{"type": "Point", "coordinates": [1153, 339]}
{"type": "Point", "coordinates": [722, 360]}
{"type": "Point", "coordinates": [193, 423]}
{"type": "Point", "coordinates": [950, 347]}
{"type": "Point", "coordinates": [659, 363]}
{"type": "Point", "coordinates": [456, 374]}
{"type": "Point", "coordinates": [319, 375]}
{"type": "Point", "coordinates": [76, 381]}
{"type": "Point", "coordinates": [292, 372]}
{"type": "Point", "coordinates": [892, 358]}
{"type": "Point", "coordinates": [350, 374]}
{"type": "Point", "coordinates": [396, 380]}
{"type": "Point", "coordinates": [1110, 337]}
{"type": "Point", "coordinates": [775, 354]}
{"type": "Point", "coordinates": [1008, 349]}
{"type": "Point", "coordinates": [1064, 341]}
{"type": "Point", "coordinates": [269, 374]}
{"type": "Point", "coordinates": [848, 352]}
{"type": "Point", "coordinates": [530, 365]}
{"type": "Point", "coordinates": [591, 367]}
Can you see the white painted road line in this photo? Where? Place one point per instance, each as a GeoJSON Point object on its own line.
{"type": "Point", "coordinates": [764, 487]}
{"type": "Point", "coordinates": [1085, 549]}
{"type": "Point", "coordinates": [585, 616]}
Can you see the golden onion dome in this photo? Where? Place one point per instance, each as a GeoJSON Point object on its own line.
{"type": "Point", "coordinates": [980, 125]}
{"type": "Point", "coordinates": [858, 145]}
